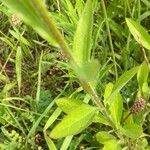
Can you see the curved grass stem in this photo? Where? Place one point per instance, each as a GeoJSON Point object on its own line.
{"type": "Point", "coordinates": [109, 37]}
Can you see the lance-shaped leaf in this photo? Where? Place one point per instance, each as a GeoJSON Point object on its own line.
{"type": "Point", "coordinates": [28, 12]}
{"type": "Point", "coordinates": [74, 122]}
{"type": "Point", "coordinates": [18, 67]}
{"type": "Point", "coordinates": [82, 38]}
{"type": "Point", "coordinates": [122, 81]}
{"type": "Point", "coordinates": [139, 33]}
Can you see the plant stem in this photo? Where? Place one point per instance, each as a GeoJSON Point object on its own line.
{"type": "Point", "coordinates": [38, 4]}
{"type": "Point", "coordinates": [110, 39]}
{"type": "Point", "coordinates": [60, 40]}
{"type": "Point", "coordinates": [90, 90]}
{"type": "Point", "coordinates": [145, 57]}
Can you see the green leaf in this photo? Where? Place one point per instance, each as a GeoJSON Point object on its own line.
{"type": "Point", "coordinates": [142, 74]}
{"type": "Point", "coordinates": [88, 71]}
{"type": "Point", "coordinates": [122, 81]}
{"type": "Point", "coordinates": [82, 38]}
{"type": "Point", "coordinates": [139, 33]}
{"type": "Point", "coordinates": [112, 145]}
{"type": "Point", "coordinates": [108, 90]}
{"type": "Point", "coordinates": [68, 105]}
{"type": "Point", "coordinates": [132, 130]}
{"type": "Point", "coordinates": [74, 122]}
{"type": "Point", "coordinates": [109, 141]}
{"type": "Point", "coordinates": [104, 137]}
{"type": "Point", "coordinates": [28, 12]}
{"type": "Point", "coordinates": [116, 109]}
{"type": "Point", "coordinates": [19, 37]}
{"type": "Point", "coordinates": [18, 66]}
{"type": "Point", "coordinates": [99, 118]}
{"type": "Point", "coordinates": [49, 142]}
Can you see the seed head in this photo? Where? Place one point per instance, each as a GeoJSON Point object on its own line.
{"type": "Point", "coordinates": [138, 106]}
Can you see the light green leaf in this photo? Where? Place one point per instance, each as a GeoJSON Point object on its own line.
{"type": "Point", "coordinates": [116, 109]}
{"type": "Point", "coordinates": [28, 12]}
{"type": "Point", "coordinates": [139, 33]}
{"type": "Point", "coordinates": [8, 87]}
{"type": "Point", "coordinates": [74, 122]}
{"type": "Point", "coordinates": [82, 38]}
{"type": "Point", "coordinates": [88, 71]}
{"type": "Point", "coordinates": [68, 105]}
{"type": "Point", "coordinates": [122, 81]}
{"type": "Point", "coordinates": [112, 145]}
{"type": "Point", "coordinates": [99, 118]}
{"type": "Point", "coordinates": [108, 90]}
{"type": "Point", "coordinates": [49, 142]}
{"type": "Point", "coordinates": [109, 141]}
{"type": "Point", "coordinates": [104, 137]}
{"type": "Point", "coordinates": [132, 130]}
{"type": "Point", "coordinates": [18, 66]}
{"type": "Point", "coordinates": [142, 74]}
{"type": "Point", "coordinates": [19, 37]}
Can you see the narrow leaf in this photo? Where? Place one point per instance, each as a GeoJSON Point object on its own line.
{"type": "Point", "coordinates": [142, 74]}
{"type": "Point", "coordinates": [122, 81]}
{"type": "Point", "coordinates": [18, 66]}
{"type": "Point", "coordinates": [82, 38]}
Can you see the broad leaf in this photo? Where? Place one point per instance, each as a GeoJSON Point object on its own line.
{"type": "Point", "coordinates": [132, 130]}
{"type": "Point", "coordinates": [139, 33]}
{"type": "Point", "coordinates": [82, 38]}
{"type": "Point", "coordinates": [68, 105]}
{"type": "Point", "coordinates": [104, 137]}
{"type": "Point", "coordinates": [109, 141]}
{"type": "Point", "coordinates": [74, 122]}
{"type": "Point", "coordinates": [112, 145]}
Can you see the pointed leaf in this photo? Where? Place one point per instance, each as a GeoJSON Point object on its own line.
{"type": "Point", "coordinates": [18, 66]}
{"type": "Point", "coordinates": [82, 38]}
{"type": "Point", "coordinates": [122, 81]}
{"type": "Point", "coordinates": [139, 33]}
{"type": "Point", "coordinates": [74, 122]}
{"type": "Point", "coordinates": [142, 74]}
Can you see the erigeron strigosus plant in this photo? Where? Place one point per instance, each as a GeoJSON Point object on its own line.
{"type": "Point", "coordinates": [80, 114]}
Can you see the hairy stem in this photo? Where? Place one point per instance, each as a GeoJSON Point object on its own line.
{"type": "Point", "coordinates": [60, 40]}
